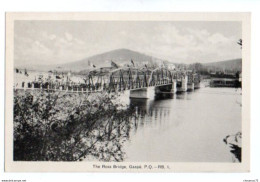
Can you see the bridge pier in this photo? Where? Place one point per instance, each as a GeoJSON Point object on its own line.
{"type": "Point", "coordinates": [143, 93]}
{"type": "Point", "coordinates": [197, 85]}
{"type": "Point", "coordinates": [174, 87]}
{"type": "Point", "coordinates": [151, 92]}
{"type": "Point", "coordinates": [191, 86]}
{"type": "Point", "coordinates": [183, 86]}
{"type": "Point", "coordinates": [171, 88]}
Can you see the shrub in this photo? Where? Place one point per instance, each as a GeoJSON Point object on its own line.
{"type": "Point", "coordinates": [56, 126]}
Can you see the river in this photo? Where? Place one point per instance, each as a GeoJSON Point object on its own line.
{"type": "Point", "coordinates": [186, 127]}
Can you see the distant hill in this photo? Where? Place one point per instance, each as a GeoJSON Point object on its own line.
{"type": "Point", "coordinates": [119, 56]}
{"type": "Point", "coordinates": [124, 57]}
{"type": "Point", "coordinates": [234, 64]}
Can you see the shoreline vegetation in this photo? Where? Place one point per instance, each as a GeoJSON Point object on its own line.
{"type": "Point", "coordinates": [51, 126]}
{"type": "Point", "coordinates": [235, 145]}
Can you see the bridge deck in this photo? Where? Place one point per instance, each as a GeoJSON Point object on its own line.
{"type": "Point", "coordinates": [87, 91]}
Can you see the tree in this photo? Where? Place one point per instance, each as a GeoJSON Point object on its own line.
{"type": "Point", "coordinates": [69, 127]}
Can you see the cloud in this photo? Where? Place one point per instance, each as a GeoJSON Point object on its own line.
{"type": "Point", "coordinates": [217, 38]}
{"type": "Point", "coordinates": [50, 44]}
{"type": "Point", "coordinates": [52, 37]}
{"type": "Point", "coordinates": [48, 49]}
{"type": "Point", "coordinates": [194, 46]}
{"type": "Point", "coordinates": [68, 36]}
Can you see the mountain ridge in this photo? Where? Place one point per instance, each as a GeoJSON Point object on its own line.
{"type": "Point", "coordinates": [119, 56]}
{"type": "Point", "coordinates": [232, 64]}
{"type": "Point", "coordinates": [124, 56]}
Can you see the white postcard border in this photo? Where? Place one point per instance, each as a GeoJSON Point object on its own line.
{"type": "Point", "coordinates": [13, 166]}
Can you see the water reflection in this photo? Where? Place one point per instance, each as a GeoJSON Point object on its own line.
{"type": "Point", "coordinates": [163, 96]}
{"type": "Point", "coordinates": [149, 112]}
{"type": "Point", "coordinates": [184, 127]}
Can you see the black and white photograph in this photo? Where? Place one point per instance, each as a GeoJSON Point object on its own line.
{"type": "Point", "coordinates": [161, 91]}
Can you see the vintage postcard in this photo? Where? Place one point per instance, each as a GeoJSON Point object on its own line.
{"type": "Point", "coordinates": [127, 92]}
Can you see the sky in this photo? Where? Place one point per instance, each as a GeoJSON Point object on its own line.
{"type": "Point", "coordinates": [57, 42]}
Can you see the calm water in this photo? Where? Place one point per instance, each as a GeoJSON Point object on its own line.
{"type": "Point", "coordinates": [187, 127]}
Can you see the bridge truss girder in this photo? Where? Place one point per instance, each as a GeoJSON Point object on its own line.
{"type": "Point", "coordinates": [130, 78]}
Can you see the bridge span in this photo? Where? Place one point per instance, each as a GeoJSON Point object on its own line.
{"type": "Point", "coordinates": [141, 82]}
